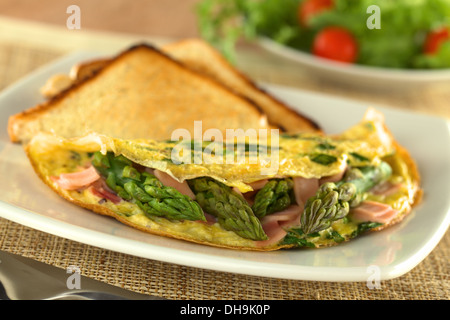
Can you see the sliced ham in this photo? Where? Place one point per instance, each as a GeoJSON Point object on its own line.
{"type": "Point", "coordinates": [149, 170]}
{"type": "Point", "coordinates": [334, 178]}
{"type": "Point", "coordinates": [274, 233]}
{"type": "Point", "coordinates": [250, 197]}
{"type": "Point", "coordinates": [373, 211]}
{"type": "Point", "coordinates": [290, 214]}
{"type": "Point", "coordinates": [304, 189]}
{"type": "Point", "coordinates": [236, 189]}
{"type": "Point", "coordinates": [258, 184]}
{"type": "Point", "coordinates": [210, 219]}
{"type": "Point", "coordinates": [274, 224]}
{"type": "Point", "coordinates": [77, 180]}
{"type": "Point", "coordinates": [101, 190]}
{"type": "Point", "coordinates": [168, 181]}
{"type": "Point", "coordinates": [386, 188]}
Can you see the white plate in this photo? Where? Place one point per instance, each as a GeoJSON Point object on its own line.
{"type": "Point", "coordinates": [358, 75]}
{"type": "Point", "coordinates": [26, 200]}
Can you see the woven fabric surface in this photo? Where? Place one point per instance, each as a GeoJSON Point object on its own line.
{"type": "Point", "coordinates": [427, 281]}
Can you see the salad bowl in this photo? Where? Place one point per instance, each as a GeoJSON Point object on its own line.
{"type": "Point", "coordinates": [355, 74]}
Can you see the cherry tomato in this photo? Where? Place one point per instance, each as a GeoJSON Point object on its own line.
{"type": "Point", "coordinates": [310, 8]}
{"type": "Point", "coordinates": [335, 43]}
{"type": "Point", "coordinates": [434, 40]}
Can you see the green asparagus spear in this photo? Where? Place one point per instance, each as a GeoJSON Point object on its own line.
{"type": "Point", "coordinates": [275, 196]}
{"type": "Point", "coordinates": [333, 200]}
{"type": "Point", "coordinates": [231, 209]}
{"type": "Point", "coordinates": [145, 189]}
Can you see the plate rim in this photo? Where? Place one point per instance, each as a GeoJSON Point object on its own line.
{"type": "Point", "coordinates": [363, 71]}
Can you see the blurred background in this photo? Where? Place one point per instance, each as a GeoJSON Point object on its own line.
{"type": "Point", "coordinates": [171, 18]}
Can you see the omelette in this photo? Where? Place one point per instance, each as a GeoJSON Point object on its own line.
{"type": "Point", "coordinates": [306, 190]}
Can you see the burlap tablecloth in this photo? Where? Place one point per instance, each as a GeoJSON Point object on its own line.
{"type": "Point", "coordinates": [429, 280]}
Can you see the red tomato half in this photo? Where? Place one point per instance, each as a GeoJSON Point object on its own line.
{"type": "Point", "coordinates": [336, 43]}
{"type": "Point", "coordinates": [434, 40]}
{"type": "Point", "coordinates": [310, 8]}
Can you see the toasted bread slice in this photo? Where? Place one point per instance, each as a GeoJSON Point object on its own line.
{"type": "Point", "coordinates": [203, 58]}
{"type": "Point", "coordinates": [141, 93]}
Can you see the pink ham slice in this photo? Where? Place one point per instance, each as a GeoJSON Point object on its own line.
{"type": "Point", "coordinates": [386, 188]}
{"type": "Point", "coordinates": [274, 224]}
{"type": "Point", "coordinates": [334, 178]}
{"type": "Point", "coordinates": [304, 189]}
{"type": "Point", "coordinates": [210, 219]}
{"type": "Point", "coordinates": [258, 184]}
{"type": "Point", "coordinates": [373, 211]}
{"type": "Point", "coordinates": [168, 181]}
{"type": "Point", "coordinates": [249, 196]}
{"type": "Point", "coordinates": [274, 233]}
{"type": "Point", "coordinates": [77, 180]}
{"type": "Point", "coordinates": [236, 189]}
{"type": "Point", "coordinates": [101, 190]}
{"type": "Point", "coordinates": [286, 218]}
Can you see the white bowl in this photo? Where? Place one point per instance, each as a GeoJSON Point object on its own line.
{"type": "Point", "coordinates": [358, 74]}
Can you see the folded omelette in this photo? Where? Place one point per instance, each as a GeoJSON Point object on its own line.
{"type": "Point", "coordinates": [321, 190]}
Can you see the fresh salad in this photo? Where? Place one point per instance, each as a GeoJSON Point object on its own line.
{"type": "Point", "coordinates": [407, 34]}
